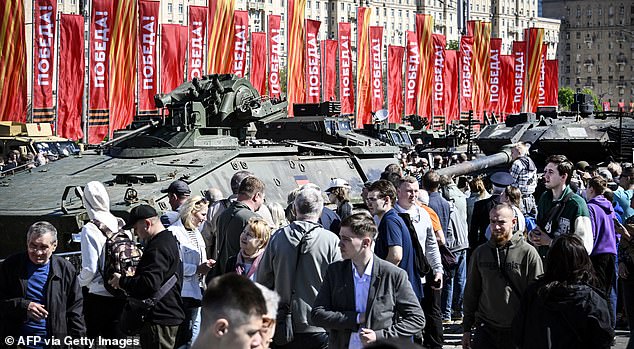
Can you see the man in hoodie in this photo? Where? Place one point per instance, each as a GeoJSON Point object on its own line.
{"type": "Point", "coordinates": [177, 193]}
{"type": "Point", "coordinates": [499, 272]}
{"type": "Point", "coordinates": [559, 210]}
{"type": "Point", "coordinates": [602, 217]}
{"type": "Point", "coordinates": [101, 309]}
{"type": "Point", "coordinates": [294, 264]}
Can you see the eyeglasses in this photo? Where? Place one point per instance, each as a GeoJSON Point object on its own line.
{"type": "Point", "coordinates": [39, 248]}
{"type": "Point", "coordinates": [374, 198]}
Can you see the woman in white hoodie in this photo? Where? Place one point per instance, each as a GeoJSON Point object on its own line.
{"type": "Point", "coordinates": [192, 213]}
{"type": "Point", "coordinates": [101, 309]}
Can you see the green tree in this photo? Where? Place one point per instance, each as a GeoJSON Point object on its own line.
{"type": "Point", "coordinates": [566, 97]}
{"type": "Point", "coordinates": [453, 45]}
{"type": "Point", "coordinates": [595, 99]}
{"type": "Point", "coordinates": [283, 74]}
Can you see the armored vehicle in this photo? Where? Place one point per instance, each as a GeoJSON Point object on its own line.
{"type": "Point", "coordinates": [207, 132]}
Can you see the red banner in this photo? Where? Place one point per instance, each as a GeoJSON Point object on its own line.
{"type": "Point", "coordinates": [534, 49]}
{"type": "Point", "coordinates": [329, 57]}
{"type": "Point", "coordinates": [296, 82]}
{"type": "Point", "coordinates": [195, 49]}
{"type": "Point", "coordinates": [100, 38]}
{"type": "Point", "coordinates": [411, 79]}
{"type": "Point", "coordinates": [552, 83]}
{"type": "Point", "coordinates": [466, 74]}
{"type": "Point", "coordinates": [495, 51]}
{"type": "Point", "coordinates": [220, 37]}
{"type": "Point", "coordinates": [12, 62]}
{"type": "Point", "coordinates": [71, 76]}
{"type": "Point", "coordinates": [424, 30]}
{"type": "Point", "coordinates": [507, 82]}
{"type": "Point", "coordinates": [173, 47]}
{"type": "Point", "coordinates": [376, 62]}
{"type": "Point", "coordinates": [542, 77]}
{"type": "Point", "coordinates": [471, 27]}
{"type": "Point", "coordinates": [258, 62]}
{"type": "Point", "coordinates": [346, 79]}
{"type": "Point", "coordinates": [519, 56]}
{"type": "Point", "coordinates": [240, 41]}
{"type": "Point", "coordinates": [364, 97]}
{"type": "Point", "coordinates": [148, 71]}
{"type": "Point", "coordinates": [313, 67]}
{"type": "Point", "coordinates": [275, 50]}
{"type": "Point", "coordinates": [44, 18]}
{"type": "Point", "coordinates": [450, 79]}
{"type": "Point", "coordinates": [480, 67]}
{"type": "Point", "coordinates": [438, 95]}
{"type": "Point", "coordinates": [395, 83]}
{"type": "Point", "coordinates": [123, 60]}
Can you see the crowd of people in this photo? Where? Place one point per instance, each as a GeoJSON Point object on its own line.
{"type": "Point", "coordinates": [520, 259]}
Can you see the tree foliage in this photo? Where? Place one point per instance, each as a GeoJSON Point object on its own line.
{"type": "Point", "coordinates": [566, 97]}
{"type": "Point", "coordinates": [453, 45]}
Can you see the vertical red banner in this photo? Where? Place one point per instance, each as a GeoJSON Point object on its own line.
{"type": "Point", "coordinates": [495, 70]}
{"type": "Point", "coordinates": [395, 83]}
{"type": "Point", "coordinates": [258, 62]}
{"type": "Point", "coordinates": [376, 62]}
{"type": "Point", "coordinates": [275, 50]}
{"type": "Point", "coordinates": [173, 47]}
{"type": "Point", "coordinates": [411, 75]}
{"type": "Point", "coordinates": [220, 36]}
{"type": "Point", "coordinates": [195, 48]}
{"type": "Point", "coordinates": [542, 77]}
{"type": "Point", "coordinates": [148, 69]}
{"type": "Point", "coordinates": [466, 73]}
{"type": "Point", "coordinates": [507, 81]}
{"type": "Point", "coordinates": [240, 41]}
{"type": "Point", "coordinates": [364, 91]}
{"type": "Point", "coordinates": [12, 62]}
{"type": "Point", "coordinates": [346, 79]}
{"type": "Point", "coordinates": [424, 30]}
{"type": "Point", "coordinates": [329, 76]}
{"type": "Point", "coordinates": [44, 19]}
{"type": "Point", "coordinates": [313, 67]}
{"type": "Point", "coordinates": [295, 77]}
{"type": "Point", "coordinates": [534, 47]}
{"type": "Point", "coordinates": [100, 38]}
{"type": "Point", "coordinates": [480, 67]}
{"type": "Point", "coordinates": [71, 76]}
{"type": "Point", "coordinates": [518, 51]}
{"type": "Point", "coordinates": [552, 82]}
{"type": "Point", "coordinates": [123, 60]}
{"type": "Point", "coordinates": [450, 79]}
{"type": "Point", "coordinates": [471, 27]}
{"type": "Point", "coordinates": [438, 95]}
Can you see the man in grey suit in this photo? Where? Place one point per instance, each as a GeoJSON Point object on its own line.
{"type": "Point", "coordinates": [362, 295]}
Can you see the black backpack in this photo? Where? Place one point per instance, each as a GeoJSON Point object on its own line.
{"type": "Point", "coordinates": [420, 261]}
{"type": "Point", "coordinates": [121, 255]}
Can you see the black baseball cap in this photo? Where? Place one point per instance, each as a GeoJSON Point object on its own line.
{"type": "Point", "coordinates": [178, 187]}
{"type": "Point", "coordinates": [138, 213]}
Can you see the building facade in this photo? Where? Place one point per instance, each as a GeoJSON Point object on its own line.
{"type": "Point", "coordinates": [597, 46]}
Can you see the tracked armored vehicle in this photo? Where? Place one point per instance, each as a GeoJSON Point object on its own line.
{"type": "Point", "coordinates": [206, 134]}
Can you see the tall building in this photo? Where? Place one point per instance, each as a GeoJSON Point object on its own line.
{"type": "Point", "coordinates": [597, 46]}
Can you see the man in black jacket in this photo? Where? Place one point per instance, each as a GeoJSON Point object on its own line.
{"type": "Point", "coordinates": [161, 260]}
{"type": "Point", "coordinates": [40, 296]}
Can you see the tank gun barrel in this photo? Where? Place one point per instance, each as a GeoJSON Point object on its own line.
{"type": "Point", "coordinates": [130, 134]}
{"type": "Point", "coordinates": [500, 158]}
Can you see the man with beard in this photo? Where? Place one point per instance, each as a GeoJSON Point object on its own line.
{"type": "Point", "coordinates": [499, 272]}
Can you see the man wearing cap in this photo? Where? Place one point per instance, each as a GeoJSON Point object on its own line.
{"type": "Point", "coordinates": [339, 193]}
{"type": "Point", "coordinates": [159, 262]}
{"type": "Point", "coordinates": [524, 173]}
{"type": "Point", "coordinates": [177, 193]}
{"type": "Point", "coordinates": [560, 210]}
{"type": "Point", "coordinates": [481, 208]}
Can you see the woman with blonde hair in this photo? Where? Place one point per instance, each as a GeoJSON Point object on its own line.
{"type": "Point", "coordinates": [278, 215]}
{"type": "Point", "coordinates": [192, 213]}
{"type": "Point", "coordinates": [253, 240]}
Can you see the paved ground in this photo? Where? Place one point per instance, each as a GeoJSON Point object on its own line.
{"type": "Point", "coordinates": [453, 335]}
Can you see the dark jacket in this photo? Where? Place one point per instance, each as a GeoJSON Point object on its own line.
{"type": "Point", "coordinates": [231, 222]}
{"type": "Point", "coordinates": [565, 317]}
{"type": "Point", "coordinates": [160, 260]}
{"type": "Point", "coordinates": [64, 300]}
{"type": "Point", "coordinates": [390, 297]}
{"type": "Point", "coordinates": [480, 220]}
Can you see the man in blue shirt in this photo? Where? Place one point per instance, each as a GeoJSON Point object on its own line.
{"type": "Point", "coordinates": [393, 242]}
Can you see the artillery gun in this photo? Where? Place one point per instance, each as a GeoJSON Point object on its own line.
{"type": "Point", "coordinates": [207, 132]}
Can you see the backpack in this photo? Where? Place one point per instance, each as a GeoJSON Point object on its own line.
{"type": "Point", "coordinates": [121, 255]}
{"type": "Point", "coordinates": [420, 261]}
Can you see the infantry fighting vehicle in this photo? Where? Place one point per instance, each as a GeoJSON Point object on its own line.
{"type": "Point", "coordinates": [207, 132]}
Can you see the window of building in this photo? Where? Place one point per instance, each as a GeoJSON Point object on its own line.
{"type": "Point", "coordinates": [317, 5]}
{"type": "Point", "coordinates": [578, 11]}
{"type": "Point", "coordinates": [589, 69]}
{"type": "Point", "coordinates": [567, 69]}
{"type": "Point", "coordinates": [567, 81]}
{"type": "Point", "coordinates": [392, 12]}
{"type": "Point", "coordinates": [578, 57]}
{"type": "Point", "coordinates": [600, 11]}
{"type": "Point", "coordinates": [169, 7]}
{"type": "Point", "coordinates": [578, 35]}
{"type": "Point", "coordinates": [400, 13]}
{"type": "Point", "coordinates": [589, 11]}
{"type": "Point", "coordinates": [567, 46]}
{"type": "Point", "coordinates": [180, 8]}
{"type": "Point", "coordinates": [308, 4]}
{"type": "Point", "coordinates": [622, 10]}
